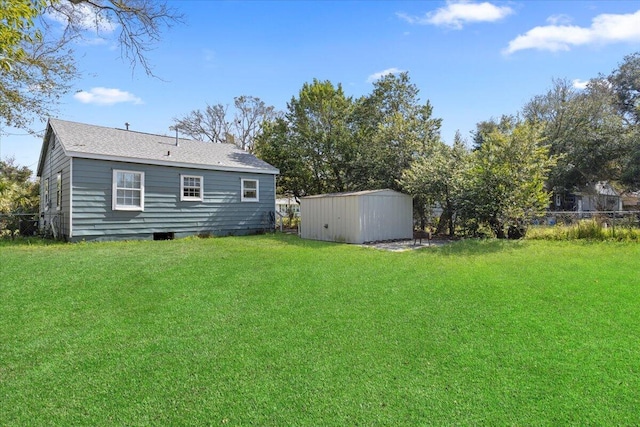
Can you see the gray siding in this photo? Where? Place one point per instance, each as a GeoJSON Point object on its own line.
{"type": "Point", "coordinates": [55, 161]}
{"type": "Point", "coordinates": [220, 213]}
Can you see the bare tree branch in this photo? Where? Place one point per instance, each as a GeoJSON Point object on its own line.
{"type": "Point", "coordinates": [212, 124]}
{"type": "Point", "coordinates": [140, 23]}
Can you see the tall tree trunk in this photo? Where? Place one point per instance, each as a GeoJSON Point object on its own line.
{"type": "Point", "coordinates": [497, 227]}
{"type": "Point", "coordinates": [444, 221]}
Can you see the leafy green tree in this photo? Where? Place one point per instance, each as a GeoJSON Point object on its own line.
{"type": "Point", "coordinates": [18, 193]}
{"type": "Point", "coordinates": [320, 121]}
{"type": "Point", "coordinates": [327, 142]}
{"type": "Point", "coordinates": [583, 129]}
{"type": "Point", "coordinates": [17, 18]}
{"type": "Point", "coordinates": [392, 129]}
{"type": "Point", "coordinates": [37, 64]}
{"type": "Point", "coordinates": [504, 187]}
{"type": "Point", "coordinates": [438, 177]}
{"type": "Point", "coordinates": [276, 145]}
{"type": "Point", "coordinates": [312, 143]}
{"type": "Point", "coordinates": [485, 127]}
{"type": "Point", "coordinates": [625, 83]}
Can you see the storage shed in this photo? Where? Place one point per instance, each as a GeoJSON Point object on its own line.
{"type": "Point", "coordinates": [357, 217]}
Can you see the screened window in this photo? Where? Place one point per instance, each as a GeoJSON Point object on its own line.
{"type": "Point", "coordinates": [59, 191]}
{"type": "Point", "coordinates": [191, 188]}
{"type": "Point", "coordinates": [128, 190]}
{"type": "Point", "coordinates": [250, 190]}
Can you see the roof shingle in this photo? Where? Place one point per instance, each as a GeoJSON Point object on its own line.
{"type": "Point", "coordinates": [90, 141]}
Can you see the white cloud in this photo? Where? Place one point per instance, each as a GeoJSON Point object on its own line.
{"type": "Point", "coordinates": [560, 19]}
{"type": "Point", "coordinates": [375, 76]}
{"type": "Point", "coordinates": [580, 84]}
{"type": "Point", "coordinates": [604, 29]}
{"type": "Point", "coordinates": [84, 17]}
{"type": "Point", "coordinates": [106, 96]}
{"type": "Point", "coordinates": [457, 13]}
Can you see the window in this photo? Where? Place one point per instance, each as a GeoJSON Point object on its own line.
{"type": "Point", "coordinates": [250, 190]}
{"type": "Point", "coordinates": [191, 188]}
{"type": "Point", "coordinates": [46, 194]}
{"type": "Point", "coordinates": [128, 190]}
{"type": "Point", "coordinates": [59, 191]}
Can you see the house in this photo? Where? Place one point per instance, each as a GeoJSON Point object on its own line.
{"type": "Point", "coordinates": [600, 196]}
{"type": "Point", "coordinates": [357, 217]}
{"type": "Point", "coordinates": [285, 205]}
{"type": "Point", "coordinates": [631, 201]}
{"type": "Point", "coordinates": [100, 183]}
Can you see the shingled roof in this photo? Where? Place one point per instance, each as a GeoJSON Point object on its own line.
{"type": "Point", "coordinates": [103, 143]}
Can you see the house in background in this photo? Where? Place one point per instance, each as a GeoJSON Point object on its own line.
{"type": "Point", "coordinates": [284, 205]}
{"type": "Point", "coordinates": [631, 201]}
{"type": "Point", "coordinates": [600, 196]}
{"type": "Point", "coordinates": [100, 183]}
{"type": "Point", "coordinates": [357, 217]}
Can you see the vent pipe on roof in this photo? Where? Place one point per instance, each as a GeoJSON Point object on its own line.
{"type": "Point", "coordinates": [126, 125]}
{"type": "Point", "coordinates": [176, 129]}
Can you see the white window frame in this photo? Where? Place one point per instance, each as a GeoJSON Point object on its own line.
{"type": "Point", "coordinates": [59, 191]}
{"type": "Point", "coordinates": [114, 195]}
{"type": "Point", "coordinates": [243, 190]}
{"type": "Point", "coordinates": [182, 188]}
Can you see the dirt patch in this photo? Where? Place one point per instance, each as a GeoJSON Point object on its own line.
{"type": "Point", "coordinates": [406, 245]}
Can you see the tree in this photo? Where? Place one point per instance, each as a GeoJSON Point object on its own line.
{"type": "Point", "coordinates": [438, 178]}
{"type": "Point", "coordinates": [625, 83]}
{"type": "Point", "coordinates": [213, 123]}
{"type": "Point", "coordinates": [313, 144]}
{"type": "Point", "coordinates": [33, 54]}
{"type": "Point", "coordinates": [18, 194]}
{"type": "Point", "coordinates": [485, 127]}
{"type": "Point", "coordinates": [208, 125]}
{"type": "Point", "coordinates": [276, 145]}
{"type": "Point", "coordinates": [17, 28]}
{"type": "Point", "coordinates": [28, 61]}
{"type": "Point", "coordinates": [505, 184]}
{"type": "Point", "coordinates": [327, 142]}
{"type": "Point", "coordinates": [319, 124]}
{"type": "Point", "coordinates": [583, 129]}
{"type": "Point", "coordinates": [392, 129]}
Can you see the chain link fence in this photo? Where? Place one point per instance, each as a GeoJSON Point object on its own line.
{"type": "Point", "coordinates": [18, 224]}
{"type": "Point", "coordinates": [630, 219]}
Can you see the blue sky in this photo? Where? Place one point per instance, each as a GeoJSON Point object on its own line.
{"type": "Point", "coordinates": [473, 60]}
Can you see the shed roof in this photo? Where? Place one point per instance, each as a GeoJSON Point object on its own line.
{"type": "Point", "coordinates": [103, 143]}
{"type": "Point", "coordinates": [355, 193]}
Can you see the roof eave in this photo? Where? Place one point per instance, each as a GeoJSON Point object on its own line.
{"type": "Point", "coordinates": [136, 160]}
{"type": "Point", "coordinates": [43, 150]}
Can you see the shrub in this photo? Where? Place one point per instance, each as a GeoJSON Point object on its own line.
{"type": "Point", "coordinates": [589, 229]}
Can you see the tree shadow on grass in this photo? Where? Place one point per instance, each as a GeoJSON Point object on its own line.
{"type": "Point", "coordinates": [480, 246]}
{"type": "Point", "coordinates": [459, 247]}
{"type": "Point", "coordinates": [295, 240]}
{"type": "Point", "coordinates": [29, 241]}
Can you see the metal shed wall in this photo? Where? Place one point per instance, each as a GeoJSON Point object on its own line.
{"type": "Point", "coordinates": [357, 217]}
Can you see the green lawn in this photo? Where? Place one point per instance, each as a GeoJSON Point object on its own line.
{"type": "Point", "coordinates": [273, 330]}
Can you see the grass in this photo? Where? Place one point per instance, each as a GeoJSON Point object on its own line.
{"type": "Point", "coordinates": [589, 229]}
{"type": "Point", "coordinates": [273, 330]}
